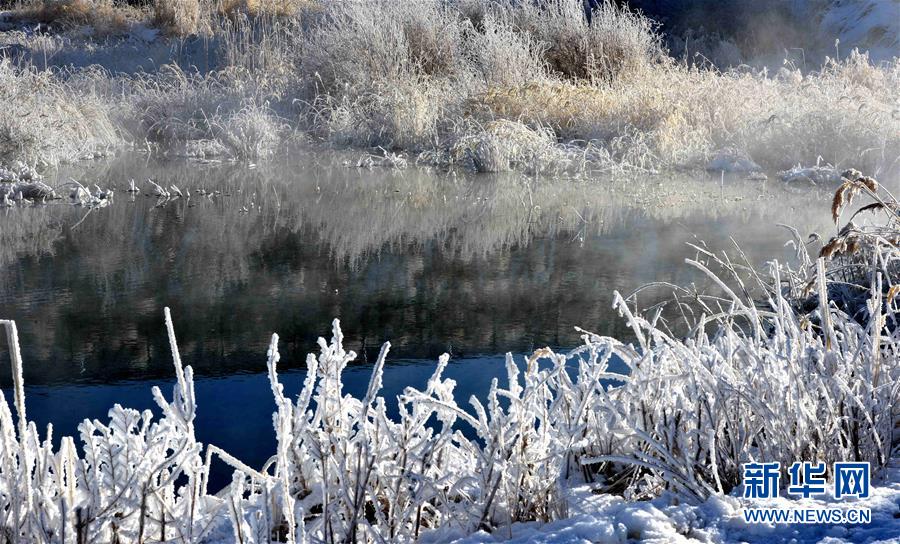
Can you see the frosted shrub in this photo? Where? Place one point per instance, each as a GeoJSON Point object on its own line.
{"type": "Point", "coordinates": [358, 43]}
{"type": "Point", "coordinates": [180, 17]}
{"type": "Point", "coordinates": [506, 57]}
{"type": "Point", "coordinates": [616, 41]}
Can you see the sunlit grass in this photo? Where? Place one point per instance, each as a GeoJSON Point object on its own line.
{"type": "Point", "coordinates": [434, 80]}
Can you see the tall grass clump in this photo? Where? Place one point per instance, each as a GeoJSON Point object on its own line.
{"type": "Point", "coordinates": [383, 73]}
{"type": "Point", "coordinates": [271, 8]}
{"type": "Point", "coordinates": [503, 56]}
{"type": "Point", "coordinates": [178, 17]}
{"type": "Point", "coordinates": [46, 121]}
{"type": "Point", "coordinates": [676, 115]}
{"type": "Point", "coordinates": [359, 43]}
{"type": "Point", "coordinates": [616, 40]}
{"type": "Point", "coordinates": [204, 116]}
{"type": "Point", "coordinates": [261, 50]}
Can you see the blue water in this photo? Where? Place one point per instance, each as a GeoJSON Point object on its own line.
{"type": "Point", "coordinates": [474, 266]}
{"type": "Point", "coordinates": [235, 412]}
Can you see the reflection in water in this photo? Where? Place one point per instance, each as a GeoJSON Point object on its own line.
{"type": "Point", "coordinates": [435, 262]}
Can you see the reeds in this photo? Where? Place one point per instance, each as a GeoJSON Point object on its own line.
{"type": "Point", "coordinates": [422, 77]}
{"type": "Point", "coordinates": [48, 120]}
{"type": "Point", "coordinates": [106, 17]}
{"type": "Point", "coordinates": [608, 85]}
{"type": "Point", "coordinates": [178, 17]}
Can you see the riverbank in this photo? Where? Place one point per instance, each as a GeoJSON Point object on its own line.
{"type": "Point", "coordinates": [458, 83]}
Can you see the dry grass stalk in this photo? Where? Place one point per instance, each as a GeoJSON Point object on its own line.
{"type": "Point", "coordinates": [106, 17]}
{"type": "Point", "coordinates": [178, 17]}
{"type": "Point", "coordinates": [274, 8]}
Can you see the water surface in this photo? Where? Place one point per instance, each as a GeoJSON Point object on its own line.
{"type": "Point", "coordinates": [435, 262]}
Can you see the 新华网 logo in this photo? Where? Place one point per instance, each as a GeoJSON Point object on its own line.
{"type": "Point", "coordinates": [851, 480]}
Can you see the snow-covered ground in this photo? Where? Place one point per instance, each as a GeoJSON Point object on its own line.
{"type": "Point", "coordinates": [607, 519]}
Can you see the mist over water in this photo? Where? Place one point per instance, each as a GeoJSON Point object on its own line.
{"type": "Point", "coordinates": [435, 262]}
{"type": "Point", "coordinates": [768, 32]}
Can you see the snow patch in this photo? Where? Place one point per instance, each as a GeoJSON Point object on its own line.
{"type": "Point", "coordinates": [606, 519]}
{"type": "Point", "coordinates": [142, 32]}
{"type": "Point", "coordinates": [731, 160]}
{"type": "Point", "coordinates": [812, 175]}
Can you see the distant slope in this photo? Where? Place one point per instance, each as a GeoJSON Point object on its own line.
{"type": "Point", "coordinates": [873, 25]}
{"type": "Point", "coordinates": [761, 28]}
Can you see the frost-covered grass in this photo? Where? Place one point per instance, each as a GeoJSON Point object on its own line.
{"type": "Point", "coordinates": [187, 114]}
{"type": "Point", "coordinates": [754, 379]}
{"type": "Point", "coordinates": [90, 113]}
{"type": "Point", "coordinates": [179, 17]}
{"type": "Point", "coordinates": [675, 115]}
{"type": "Point", "coordinates": [45, 120]}
{"type": "Point", "coordinates": [438, 80]}
{"type": "Point", "coordinates": [107, 17]}
{"type": "Point", "coordinates": [435, 77]}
